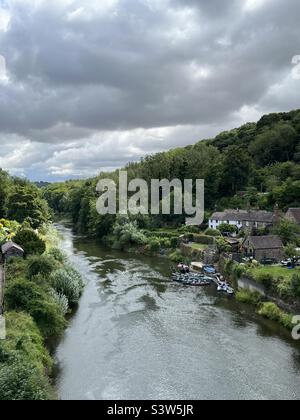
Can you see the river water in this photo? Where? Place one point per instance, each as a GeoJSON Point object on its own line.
{"type": "Point", "coordinates": [136, 335]}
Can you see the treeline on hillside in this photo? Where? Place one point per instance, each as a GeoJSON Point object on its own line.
{"type": "Point", "coordinates": [256, 165]}
{"type": "Point", "coordinates": [22, 201]}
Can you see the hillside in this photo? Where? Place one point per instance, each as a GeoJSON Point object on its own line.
{"type": "Point", "coordinates": [256, 164]}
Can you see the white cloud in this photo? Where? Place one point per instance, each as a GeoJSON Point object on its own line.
{"type": "Point", "coordinates": [4, 19]}
{"type": "Point", "coordinates": [254, 4]}
{"type": "Point", "coordinates": [3, 72]}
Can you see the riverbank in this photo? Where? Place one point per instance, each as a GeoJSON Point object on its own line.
{"type": "Point", "coordinates": [41, 291]}
{"type": "Point", "coordinates": [269, 290]}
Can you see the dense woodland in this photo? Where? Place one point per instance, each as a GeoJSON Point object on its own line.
{"type": "Point", "coordinates": [256, 165]}
{"type": "Point", "coordinates": [22, 201]}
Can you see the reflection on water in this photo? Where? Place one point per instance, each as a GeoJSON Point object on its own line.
{"type": "Point", "coordinates": [136, 335]}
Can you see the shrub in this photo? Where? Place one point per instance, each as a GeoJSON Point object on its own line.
{"type": "Point", "coordinates": [246, 296]}
{"type": "Point", "coordinates": [228, 267]}
{"type": "Point", "coordinates": [21, 380]}
{"type": "Point", "coordinates": [295, 285]}
{"type": "Point", "coordinates": [154, 245]}
{"type": "Point", "coordinates": [203, 239]}
{"type": "Point", "coordinates": [225, 227]}
{"type": "Point", "coordinates": [270, 311]}
{"type": "Point", "coordinates": [287, 321]}
{"type": "Point", "coordinates": [30, 242]}
{"type": "Point", "coordinates": [68, 282]}
{"type": "Point", "coordinates": [128, 234]}
{"type": "Point", "coordinates": [174, 242]}
{"type": "Point", "coordinates": [239, 270]}
{"type": "Point", "coordinates": [213, 232]}
{"type": "Point", "coordinates": [49, 317]}
{"type": "Point", "coordinates": [165, 243]}
{"type": "Point", "coordinates": [284, 287]}
{"type": "Point", "coordinates": [61, 300]}
{"type": "Point", "coordinates": [41, 265]}
{"type": "Point", "coordinates": [177, 257]}
{"type": "Point", "coordinates": [23, 295]}
{"type": "Point", "coordinates": [265, 279]}
{"type": "Point", "coordinates": [58, 255]}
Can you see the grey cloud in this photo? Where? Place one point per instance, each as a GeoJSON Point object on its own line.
{"type": "Point", "coordinates": [78, 73]}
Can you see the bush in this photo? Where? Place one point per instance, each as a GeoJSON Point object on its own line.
{"type": "Point", "coordinates": [284, 287]}
{"type": "Point", "coordinates": [68, 282]}
{"type": "Point", "coordinates": [295, 285]}
{"type": "Point", "coordinates": [41, 265]}
{"type": "Point", "coordinates": [265, 279]}
{"type": "Point", "coordinates": [174, 242]}
{"type": "Point", "coordinates": [154, 245]}
{"type": "Point", "coordinates": [225, 227]}
{"type": "Point", "coordinates": [128, 234]}
{"type": "Point", "coordinates": [21, 380]}
{"type": "Point", "coordinates": [61, 300]}
{"type": "Point", "coordinates": [165, 243]}
{"type": "Point", "coordinates": [239, 270]}
{"type": "Point", "coordinates": [177, 257]}
{"type": "Point", "coordinates": [58, 255]}
{"type": "Point", "coordinates": [270, 311]}
{"type": "Point", "coordinates": [30, 242]}
{"type": "Point", "coordinates": [203, 239]}
{"type": "Point", "coordinates": [246, 296]}
{"type": "Point", "coordinates": [23, 295]}
{"type": "Point", "coordinates": [213, 232]}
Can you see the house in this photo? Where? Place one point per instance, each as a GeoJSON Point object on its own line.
{"type": "Point", "coordinates": [293, 215]}
{"type": "Point", "coordinates": [11, 250]}
{"type": "Point", "coordinates": [243, 219]}
{"type": "Point", "coordinates": [264, 248]}
{"type": "Point", "coordinates": [233, 243]}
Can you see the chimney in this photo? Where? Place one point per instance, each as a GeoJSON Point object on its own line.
{"type": "Point", "coordinates": [277, 214]}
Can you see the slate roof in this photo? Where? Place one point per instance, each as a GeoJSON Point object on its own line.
{"type": "Point", "coordinates": [244, 216]}
{"type": "Point", "coordinates": [9, 245]}
{"type": "Point", "coordinates": [265, 242]}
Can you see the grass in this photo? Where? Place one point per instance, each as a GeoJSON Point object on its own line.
{"type": "Point", "coordinates": [275, 271]}
{"type": "Point", "coordinates": [200, 247]}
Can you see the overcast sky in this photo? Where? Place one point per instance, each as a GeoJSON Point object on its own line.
{"type": "Point", "coordinates": [89, 85]}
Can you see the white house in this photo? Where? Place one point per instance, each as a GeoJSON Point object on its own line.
{"type": "Point", "coordinates": [243, 219]}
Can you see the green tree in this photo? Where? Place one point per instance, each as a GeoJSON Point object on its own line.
{"type": "Point", "coordinates": [30, 242]}
{"type": "Point", "coordinates": [277, 144]}
{"type": "Point", "coordinates": [4, 190]}
{"type": "Point", "coordinates": [42, 265]}
{"type": "Point", "coordinates": [26, 204]}
{"type": "Point", "coordinates": [290, 251]}
{"type": "Point", "coordinates": [236, 170]}
{"type": "Point", "coordinates": [287, 231]}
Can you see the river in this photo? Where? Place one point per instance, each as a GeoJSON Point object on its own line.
{"type": "Point", "coordinates": [136, 335]}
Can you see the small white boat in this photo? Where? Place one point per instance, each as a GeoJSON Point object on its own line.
{"type": "Point", "coordinates": [224, 288]}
